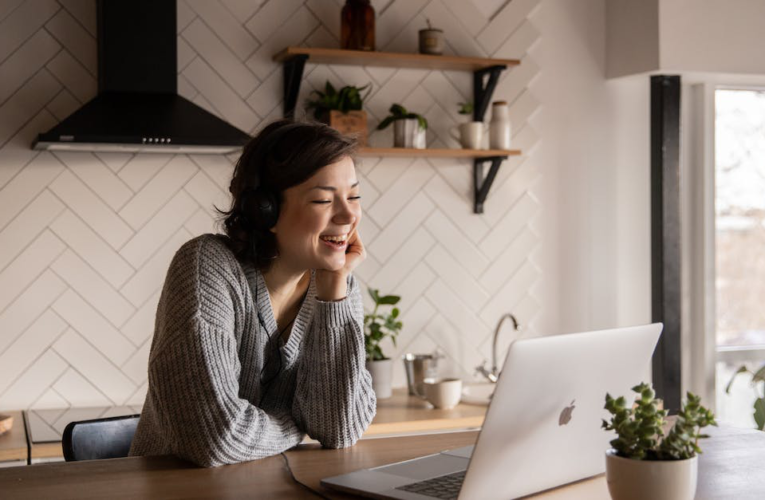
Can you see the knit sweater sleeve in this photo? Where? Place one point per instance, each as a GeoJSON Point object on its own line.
{"type": "Point", "coordinates": [334, 401]}
{"type": "Point", "coordinates": [194, 373]}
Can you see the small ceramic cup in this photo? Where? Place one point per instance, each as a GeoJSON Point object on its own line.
{"type": "Point", "coordinates": [470, 134]}
{"type": "Point", "coordinates": [443, 393]}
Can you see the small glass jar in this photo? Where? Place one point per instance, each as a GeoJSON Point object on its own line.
{"type": "Point", "coordinates": [357, 21]}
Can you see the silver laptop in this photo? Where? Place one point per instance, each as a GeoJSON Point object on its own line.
{"type": "Point", "coordinates": [542, 428]}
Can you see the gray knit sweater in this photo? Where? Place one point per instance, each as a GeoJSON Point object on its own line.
{"type": "Point", "coordinates": [206, 401]}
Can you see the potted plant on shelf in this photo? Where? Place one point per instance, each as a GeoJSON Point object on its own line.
{"type": "Point", "coordinates": [408, 128]}
{"type": "Point", "coordinates": [342, 110]}
{"type": "Point", "coordinates": [759, 401]}
{"type": "Point", "coordinates": [646, 462]}
{"type": "Point", "coordinates": [376, 328]}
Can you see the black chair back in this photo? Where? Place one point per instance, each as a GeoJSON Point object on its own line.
{"type": "Point", "coordinates": [99, 438]}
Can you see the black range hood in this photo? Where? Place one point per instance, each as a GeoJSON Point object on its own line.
{"type": "Point", "coordinates": [138, 108]}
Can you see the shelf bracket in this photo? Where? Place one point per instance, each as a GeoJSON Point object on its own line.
{"type": "Point", "coordinates": [293, 75]}
{"type": "Point", "coordinates": [481, 186]}
{"type": "Point", "coordinates": [482, 94]}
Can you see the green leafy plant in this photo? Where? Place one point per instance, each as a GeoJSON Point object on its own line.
{"type": "Point", "coordinates": [759, 402]}
{"type": "Point", "coordinates": [640, 427]}
{"type": "Point", "coordinates": [466, 108]}
{"type": "Point", "coordinates": [378, 326]}
{"type": "Point", "coordinates": [399, 112]}
{"type": "Point", "coordinates": [348, 98]}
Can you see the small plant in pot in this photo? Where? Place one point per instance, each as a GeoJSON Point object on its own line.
{"type": "Point", "coordinates": [758, 385]}
{"type": "Point", "coordinates": [342, 109]}
{"type": "Point", "coordinates": [645, 462]}
{"type": "Point", "coordinates": [408, 128]}
{"type": "Point", "coordinates": [377, 326]}
{"type": "Point", "coordinates": [466, 109]}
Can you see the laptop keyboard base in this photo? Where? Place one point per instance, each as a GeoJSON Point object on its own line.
{"type": "Point", "coordinates": [445, 487]}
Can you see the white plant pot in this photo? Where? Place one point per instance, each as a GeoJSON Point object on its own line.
{"type": "Point", "coordinates": [630, 479]}
{"type": "Point", "coordinates": [408, 134]}
{"type": "Point", "coordinates": [382, 377]}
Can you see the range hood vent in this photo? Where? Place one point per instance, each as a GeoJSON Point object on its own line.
{"type": "Point", "coordinates": [138, 108]}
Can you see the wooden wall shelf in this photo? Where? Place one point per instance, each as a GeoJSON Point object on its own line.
{"type": "Point", "coordinates": [392, 59]}
{"type": "Point", "coordinates": [437, 153]}
{"type": "Point", "coordinates": [485, 77]}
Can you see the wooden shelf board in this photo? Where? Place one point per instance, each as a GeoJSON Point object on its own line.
{"type": "Point", "coordinates": [437, 153]}
{"type": "Point", "coordinates": [392, 59]}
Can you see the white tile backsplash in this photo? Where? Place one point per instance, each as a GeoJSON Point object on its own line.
{"type": "Point", "coordinates": [86, 239]}
{"type": "Point", "coordinates": [91, 248]}
{"type": "Point", "coordinates": [91, 209]}
{"type": "Point", "coordinates": [93, 327]}
{"type": "Point", "coordinates": [84, 280]}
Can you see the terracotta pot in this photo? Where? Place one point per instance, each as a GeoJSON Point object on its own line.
{"type": "Point", "coordinates": [382, 377]}
{"type": "Point", "coordinates": [630, 479]}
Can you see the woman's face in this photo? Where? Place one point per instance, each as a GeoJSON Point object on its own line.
{"type": "Point", "coordinates": [325, 205]}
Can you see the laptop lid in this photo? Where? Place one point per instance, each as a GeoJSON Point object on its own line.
{"type": "Point", "coordinates": [543, 427]}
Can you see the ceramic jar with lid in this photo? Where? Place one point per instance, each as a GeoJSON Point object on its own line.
{"type": "Point", "coordinates": [500, 130]}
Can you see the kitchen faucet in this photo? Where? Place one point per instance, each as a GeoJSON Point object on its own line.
{"type": "Point", "coordinates": [493, 375]}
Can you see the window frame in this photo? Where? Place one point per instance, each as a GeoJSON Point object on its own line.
{"type": "Point", "coordinates": [699, 244]}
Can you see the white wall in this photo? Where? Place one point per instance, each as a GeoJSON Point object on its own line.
{"type": "Point", "coordinates": [596, 151]}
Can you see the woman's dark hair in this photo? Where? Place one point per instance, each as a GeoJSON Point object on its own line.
{"type": "Point", "coordinates": [284, 154]}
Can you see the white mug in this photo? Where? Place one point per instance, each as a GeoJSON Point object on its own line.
{"type": "Point", "coordinates": [443, 393]}
{"type": "Point", "coordinates": [470, 134]}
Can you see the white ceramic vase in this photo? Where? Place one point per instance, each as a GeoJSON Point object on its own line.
{"type": "Point", "coordinates": [407, 133]}
{"type": "Point", "coordinates": [500, 129]}
{"type": "Point", "coordinates": [382, 377]}
{"type": "Point", "coordinates": [630, 479]}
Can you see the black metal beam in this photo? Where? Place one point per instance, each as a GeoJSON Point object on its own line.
{"type": "Point", "coordinates": [293, 74]}
{"type": "Point", "coordinates": [481, 186]}
{"type": "Point", "coordinates": [482, 93]}
{"type": "Point", "coordinates": [665, 237]}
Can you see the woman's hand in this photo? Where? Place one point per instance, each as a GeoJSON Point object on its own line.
{"type": "Point", "coordinates": [332, 285]}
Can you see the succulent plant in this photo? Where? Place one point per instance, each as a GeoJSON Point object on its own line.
{"type": "Point", "coordinates": [640, 427]}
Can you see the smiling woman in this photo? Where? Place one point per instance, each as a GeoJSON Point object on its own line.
{"type": "Point", "coordinates": [259, 332]}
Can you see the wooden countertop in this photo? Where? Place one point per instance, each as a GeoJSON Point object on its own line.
{"type": "Point", "coordinates": [729, 468]}
{"type": "Point", "coordinates": [404, 414]}
{"type": "Point", "coordinates": [400, 414]}
{"type": "Point", "coordinates": [13, 444]}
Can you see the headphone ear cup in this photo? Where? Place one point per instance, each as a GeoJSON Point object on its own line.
{"type": "Point", "coordinates": [265, 209]}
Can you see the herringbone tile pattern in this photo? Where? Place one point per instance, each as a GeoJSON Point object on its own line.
{"type": "Point", "coordinates": [85, 239]}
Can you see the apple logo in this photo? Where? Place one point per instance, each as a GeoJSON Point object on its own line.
{"type": "Point", "coordinates": [565, 415]}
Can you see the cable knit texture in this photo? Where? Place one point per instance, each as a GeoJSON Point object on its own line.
{"type": "Point", "coordinates": [206, 402]}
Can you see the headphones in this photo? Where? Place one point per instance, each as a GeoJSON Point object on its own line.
{"type": "Point", "coordinates": [258, 205]}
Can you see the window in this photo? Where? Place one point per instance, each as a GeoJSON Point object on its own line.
{"type": "Point", "coordinates": [739, 248]}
